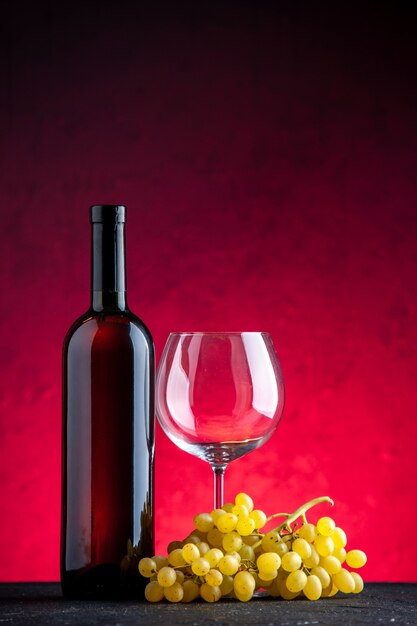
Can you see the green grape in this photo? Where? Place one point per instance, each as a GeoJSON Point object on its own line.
{"type": "Point", "coordinates": [284, 592]}
{"type": "Point", "coordinates": [167, 576]}
{"type": "Point", "coordinates": [281, 548]}
{"type": "Point", "coordinates": [331, 564]}
{"type": "Point", "coordinates": [329, 591]}
{"type": "Point", "coordinates": [282, 575]}
{"type": "Point", "coordinates": [154, 592]}
{"type": "Point", "coordinates": [199, 533]}
{"type": "Point", "coordinates": [190, 552]}
{"type": "Point", "coordinates": [245, 526]}
{"type": "Point", "coordinates": [232, 541]}
{"type": "Point", "coordinates": [244, 583]}
{"type": "Point", "coordinates": [273, 588]}
{"type": "Point", "coordinates": [214, 578]}
{"type": "Point", "coordinates": [203, 522]}
{"type": "Point", "coordinates": [313, 560]}
{"type": "Point", "coordinates": [268, 562]}
{"type": "Point", "coordinates": [267, 576]}
{"type": "Point", "coordinates": [209, 593]}
{"type": "Point", "coordinates": [247, 553]}
{"type": "Point", "coordinates": [291, 561]}
{"type": "Point", "coordinates": [227, 585]}
{"type": "Point", "coordinates": [356, 558]}
{"type": "Point", "coordinates": [191, 591]}
{"type": "Point", "coordinates": [333, 591]}
{"type": "Point", "coordinates": [193, 538]}
{"type": "Point", "coordinates": [235, 554]}
{"type": "Point", "coordinates": [200, 566]}
{"type": "Point", "coordinates": [265, 584]}
{"type": "Point", "coordinates": [340, 554]}
{"type": "Point", "coordinates": [147, 567]}
{"type": "Point", "coordinates": [215, 538]}
{"type": "Point", "coordinates": [228, 565]}
{"type": "Point", "coordinates": [259, 518]}
{"type": "Point", "coordinates": [270, 541]}
{"type": "Point", "coordinates": [227, 523]}
{"type": "Point", "coordinates": [175, 557]}
{"type": "Point", "coordinates": [174, 545]}
{"type": "Point", "coordinates": [326, 526]}
{"type": "Point", "coordinates": [228, 507]}
{"type": "Point", "coordinates": [296, 581]}
{"type": "Point", "coordinates": [302, 547]}
{"type": "Point", "coordinates": [308, 532]}
{"type": "Point", "coordinates": [258, 551]}
{"type": "Point", "coordinates": [339, 537]}
{"type": "Point", "coordinates": [344, 581]}
{"type": "Point", "coordinates": [174, 593]}
{"type": "Point", "coordinates": [313, 587]}
{"type": "Point", "coordinates": [322, 574]}
{"type": "Point", "coordinates": [240, 510]}
{"type": "Point", "coordinates": [160, 561]}
{"type": "Point", "coordinates": [250, 539]}
{"type": "Point", "coordinates": [213, 556]}
{"type": "Point", "coordinates": [244, 597]}
{"type": "Point", "coordinates": [179, 576]}
{"type": "Point", "coordinates": [203, 548]}
{"type": "Point", "coordinates": [243, 498]}
{"type": "Point", "coordinates": [358, 580]}
{"type": "Point", "coordinates": [258, 582]}
{"type": "Point", "coordinates": [324, 545]}
{"type": "Point", "coordinates": [215, 514]}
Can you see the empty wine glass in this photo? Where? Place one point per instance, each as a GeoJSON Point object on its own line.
{"type": "Point", "coordinates": [219, 395]}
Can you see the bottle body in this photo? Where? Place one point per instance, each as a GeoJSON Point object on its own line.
{"type": "Point", "coordinates": [108, 448]}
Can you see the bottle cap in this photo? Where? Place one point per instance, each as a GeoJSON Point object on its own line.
{"type": "Point", "coordinates": [100, 213]}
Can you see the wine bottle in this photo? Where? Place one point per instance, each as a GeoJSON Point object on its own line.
{"type": "Point", "coordinates": [108, 430]}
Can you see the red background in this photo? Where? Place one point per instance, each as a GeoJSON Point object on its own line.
{"type": "Point", "coordinates": [267, 155]}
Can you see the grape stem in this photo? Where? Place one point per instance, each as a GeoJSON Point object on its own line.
{"type": "Point", "coordinates": [268, 519]}
{"type": "Point", "coordinates": [291, 517]}
{"type": "Point", "coordinates": [300, 512]}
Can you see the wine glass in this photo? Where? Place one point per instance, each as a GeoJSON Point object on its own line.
{"type": "Point", "coordinates": [219, 395]}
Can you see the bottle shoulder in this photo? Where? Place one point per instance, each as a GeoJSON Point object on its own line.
{"type": "Point", "coordinates": [92, 323]}
{"type": "Point", "coordinates": [136, 321]}
{"type": "Point", "coordinates": [84, 319]}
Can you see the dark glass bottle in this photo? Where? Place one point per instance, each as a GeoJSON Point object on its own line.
{"type": "Point", "coordinates": [108, 430]}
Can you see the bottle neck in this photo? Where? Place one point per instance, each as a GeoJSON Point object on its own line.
{"type": "Point", "coordinates": [108, 276]}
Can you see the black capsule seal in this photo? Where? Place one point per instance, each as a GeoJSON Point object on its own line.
{"type": "Point", "coordinates": [105, 213]}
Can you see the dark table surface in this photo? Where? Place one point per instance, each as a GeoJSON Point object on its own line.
{"type": "Point", "coordinates": [379, 604]}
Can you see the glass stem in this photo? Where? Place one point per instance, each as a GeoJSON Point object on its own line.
{"type": "Point", "coordinates": [219, 471]}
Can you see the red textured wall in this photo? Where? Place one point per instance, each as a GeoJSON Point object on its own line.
{"type": "Point", "coordinates": [267, 155]}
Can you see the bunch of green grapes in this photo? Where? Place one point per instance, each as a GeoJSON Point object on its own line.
{"type": "Point", "coordinates": [227, 555]}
